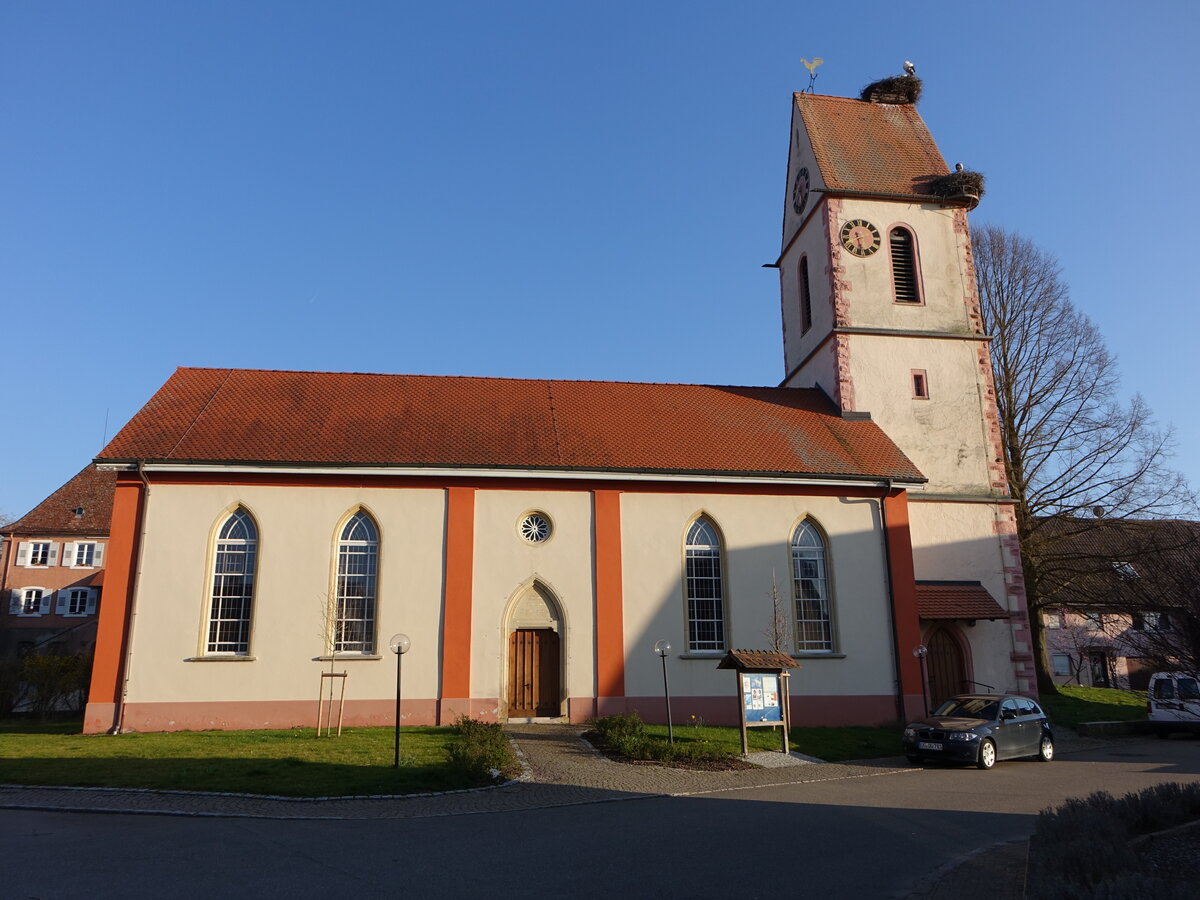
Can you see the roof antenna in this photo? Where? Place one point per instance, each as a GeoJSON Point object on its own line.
{"type": "Point", "coordinates": [812, 73]}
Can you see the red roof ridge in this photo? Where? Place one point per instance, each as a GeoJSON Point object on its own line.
{"type": "Point", "coordinates": [508, 378]}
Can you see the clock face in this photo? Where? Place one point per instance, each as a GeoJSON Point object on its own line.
{"type": "Point", "coordinates": [800, 191]}
{"type": "Point", "coordinates": [860, 237]}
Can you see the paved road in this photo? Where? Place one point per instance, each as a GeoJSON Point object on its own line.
{"type": "Point", "coordinates": [875, 835]}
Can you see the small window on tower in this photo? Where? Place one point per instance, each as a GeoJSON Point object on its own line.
{"type": "Point", "coordinates": [904, 266]}
{"type": "Point", "coordinates": [805, 298]}
{"type": "Point", "coordinates": [920, 384]}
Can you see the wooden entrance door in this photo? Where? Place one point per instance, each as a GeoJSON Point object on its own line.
{"type": "Point", "coordinates": [533, 672]}
{"type": "Point", "coordinates": [947, 669]}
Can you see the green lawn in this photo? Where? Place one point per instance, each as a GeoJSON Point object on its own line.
{"type": "Point", "coordinates": [291, 763]}
{"type": "Point", "coordinates": [1073, 704]}
{"type": "Point", "coordinates": [830, 744]}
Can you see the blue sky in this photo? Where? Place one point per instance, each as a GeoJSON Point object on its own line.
{"type": "Point", "coordinates": [531, 189]}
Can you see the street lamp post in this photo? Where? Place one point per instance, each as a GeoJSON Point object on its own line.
{"type": "Point", "coordinates": [663, 649]}
{"type": "Point", "coordinates": [920, 652]}
{"type": "Point", "coordinates": [399, 644]}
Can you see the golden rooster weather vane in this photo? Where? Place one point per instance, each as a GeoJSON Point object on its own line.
{"type": "Point", "coordinates": [812, 72]}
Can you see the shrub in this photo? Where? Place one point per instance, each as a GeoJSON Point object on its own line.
{"type": "Point", "coordinates": [1081, 849]}
{"type": "Point", "coordinates": [57, 683]}
{"type": "Point", "coordinates": [482, 752]}
{"type": "Point", "coordinates": [626, 735]}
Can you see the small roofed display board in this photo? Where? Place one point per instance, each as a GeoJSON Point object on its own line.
{"type": "Point", "coordinates": [762, 690]}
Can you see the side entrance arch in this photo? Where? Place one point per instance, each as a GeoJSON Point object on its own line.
{"type": "Point", "coordinates": [534, 671]}
{"type": "Point", "coordinates": [947, 666]}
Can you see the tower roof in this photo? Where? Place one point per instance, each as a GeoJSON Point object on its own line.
{"type": "Point", "coordinates": [875, 148]}
{"type": "Point", "coordinates": [239, 416]}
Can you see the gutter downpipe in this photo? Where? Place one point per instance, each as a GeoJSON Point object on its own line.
{"type": "Point", "coordinates": [887, 562]}
{"type": "Point", "coordinates": [119, 718]}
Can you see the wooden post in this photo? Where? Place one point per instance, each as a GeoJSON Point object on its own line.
{"type": "Point", "coordinates": [741, 698]}
{"type": "Point", "coordinates": [326, 713]}
{"type": "Point", "coordinates": [786, 700]}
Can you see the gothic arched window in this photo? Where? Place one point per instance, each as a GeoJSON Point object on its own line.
{"type": "Point", "coordinates": [357, 568]}
{"type": "Point", "coordinates": [814, 622]}
{"type": "Point", "coordinates": [805, 298]}
{"type": "Point", "coordinates": [234, 560]}
{"type": "Point", "coordinates": [704, 586]}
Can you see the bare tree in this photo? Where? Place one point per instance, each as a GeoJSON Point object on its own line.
{"type": "Point", "coordinates": [779, 629]}
{"type": "Point", "coordinates": [1072, 447]}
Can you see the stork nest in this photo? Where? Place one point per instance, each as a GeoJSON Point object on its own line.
{"type": "Point", "coordinates": [958, 184]}
{"type": "Point", "coordinates": [897, 89]}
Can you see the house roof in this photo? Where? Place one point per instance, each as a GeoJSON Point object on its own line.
{"type": "Point", "coordinates": [871, 147]}
{"type": "Point", "coordinates": [231, 416]}
{"type": "Point", "coordinates": [90, 489]}
{"type": "Point", "coordinates": [941, 600]}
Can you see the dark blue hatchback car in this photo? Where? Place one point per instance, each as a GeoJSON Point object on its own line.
{"type": "Point", "coordinates": [981, 729]}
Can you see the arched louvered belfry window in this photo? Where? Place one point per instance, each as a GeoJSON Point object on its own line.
{"type": "Point", "coordinates": [234, 562]}
{"type": "Point", "coordinates": [357, 569]}
{"type": "Point", "coordinates": [814, 621]}
{"type": "Point", "coordinates": [704, 585]}
{"type": "Point", "coordinates": [805, 298]}
{"type": "Point", "coordinates": [905, 280]}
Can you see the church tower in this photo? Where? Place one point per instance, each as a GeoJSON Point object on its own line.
{"type": "Point", "coordinates": [881, 312]}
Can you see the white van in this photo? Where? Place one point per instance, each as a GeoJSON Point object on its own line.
{"type": "Point", "coordinates": [1173, 702]}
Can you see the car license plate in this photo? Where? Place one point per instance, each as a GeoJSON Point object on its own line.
{"type": "Point", "coordinates": [928, 745]}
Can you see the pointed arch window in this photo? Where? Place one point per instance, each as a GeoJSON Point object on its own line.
{"type": "Point", "coordinates": [234, 564]}
{"type": "Point", "coordinates": [814, 623]}
{"type": "Point", "coordinates": [905, 282]}
{"type": "Point", "coordinates": [705, 589]}
{"type": "Point", "coordinates": [357, 568]}
{"type": "Point", "coordinates": [805, 298]}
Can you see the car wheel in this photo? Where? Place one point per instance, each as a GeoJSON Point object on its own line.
{"type": "Point", "coordinates": [987, 754]}
{"type": "Point", "coordinates": [915, 760]}
{"type": "Point", "coordinates": [1046, 748]}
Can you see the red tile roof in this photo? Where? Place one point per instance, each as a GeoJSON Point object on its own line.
{"type": "Point", "coordinates": [870, 147]}
{"type": "Point", "coordinates": [90, 489]}
{"type": "Point", "coordinates": [956, 600]}
{"type": "Point", "coordinates": [313, 418]}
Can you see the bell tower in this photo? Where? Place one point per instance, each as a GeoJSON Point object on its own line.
{"type": "Point", "coordinates": [881, 312]}
{"type": "Point", "coordinates": [878, 292]}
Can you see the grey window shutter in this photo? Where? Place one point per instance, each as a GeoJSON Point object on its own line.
{"type": "Point", "coordinates": [60, 601]}
{"type": "Point", "coordinates": [53, 553]}
{"type": "Point", "coordinates": [69, 553]}
{"type": "Point", "coordinates": [91, 601]}
{"type": "Point", "coordinates": [14, 602]}
{"type": "Point", "coordinates": [98, 559]}
{"type": "Point", "coordinates": [44, 609]}
{"type": "Point", "coordinates": [23, 553]}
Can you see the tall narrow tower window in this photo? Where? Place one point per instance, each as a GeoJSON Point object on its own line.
{"type": "Point", "coordinates": [805, 298]}
{"type": "Point", "coordinates": [904, 266]}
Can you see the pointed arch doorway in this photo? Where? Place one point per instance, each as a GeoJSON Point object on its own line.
{"type": "Point", "coordinates": [947, 666]}
{"type": "Point", "coordinates": [534, 670]}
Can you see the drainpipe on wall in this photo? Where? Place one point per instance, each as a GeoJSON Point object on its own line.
{"type": "Point", "coordinates": [887, 563]}
{"type": "Point", "coordinates": [119, 718]}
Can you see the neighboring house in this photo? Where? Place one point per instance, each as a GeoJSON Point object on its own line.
{"type": "Point", "coordinates": [535, 538]}
{"type": "Point", "coordinates": [52, 568]}
{"type": "Point", "coordinates": [1123, 598]}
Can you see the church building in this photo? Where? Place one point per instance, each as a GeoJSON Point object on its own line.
{"type": "Point", "coordinates": [535, 538]}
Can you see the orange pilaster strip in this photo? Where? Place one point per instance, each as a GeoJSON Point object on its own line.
{"type": "Point", "coordinates": [119, 570]}
{"type": "Point", "coordinates": [456, 606]}
{"type": "Point", "coordinates": [904, 592]}
{"type": "Point", "coordinates": [610, 623]}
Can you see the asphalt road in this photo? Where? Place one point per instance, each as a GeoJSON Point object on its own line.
{"type": "Point", "coordinates": [869, 837]}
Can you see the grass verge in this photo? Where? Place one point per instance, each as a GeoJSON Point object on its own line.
{"type": "Point", "coordinates": [699, 741]}
{"type": "Point", "coordinates": [293, 763]}
{"type": "Point", "coordinates": [1074, 704]}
